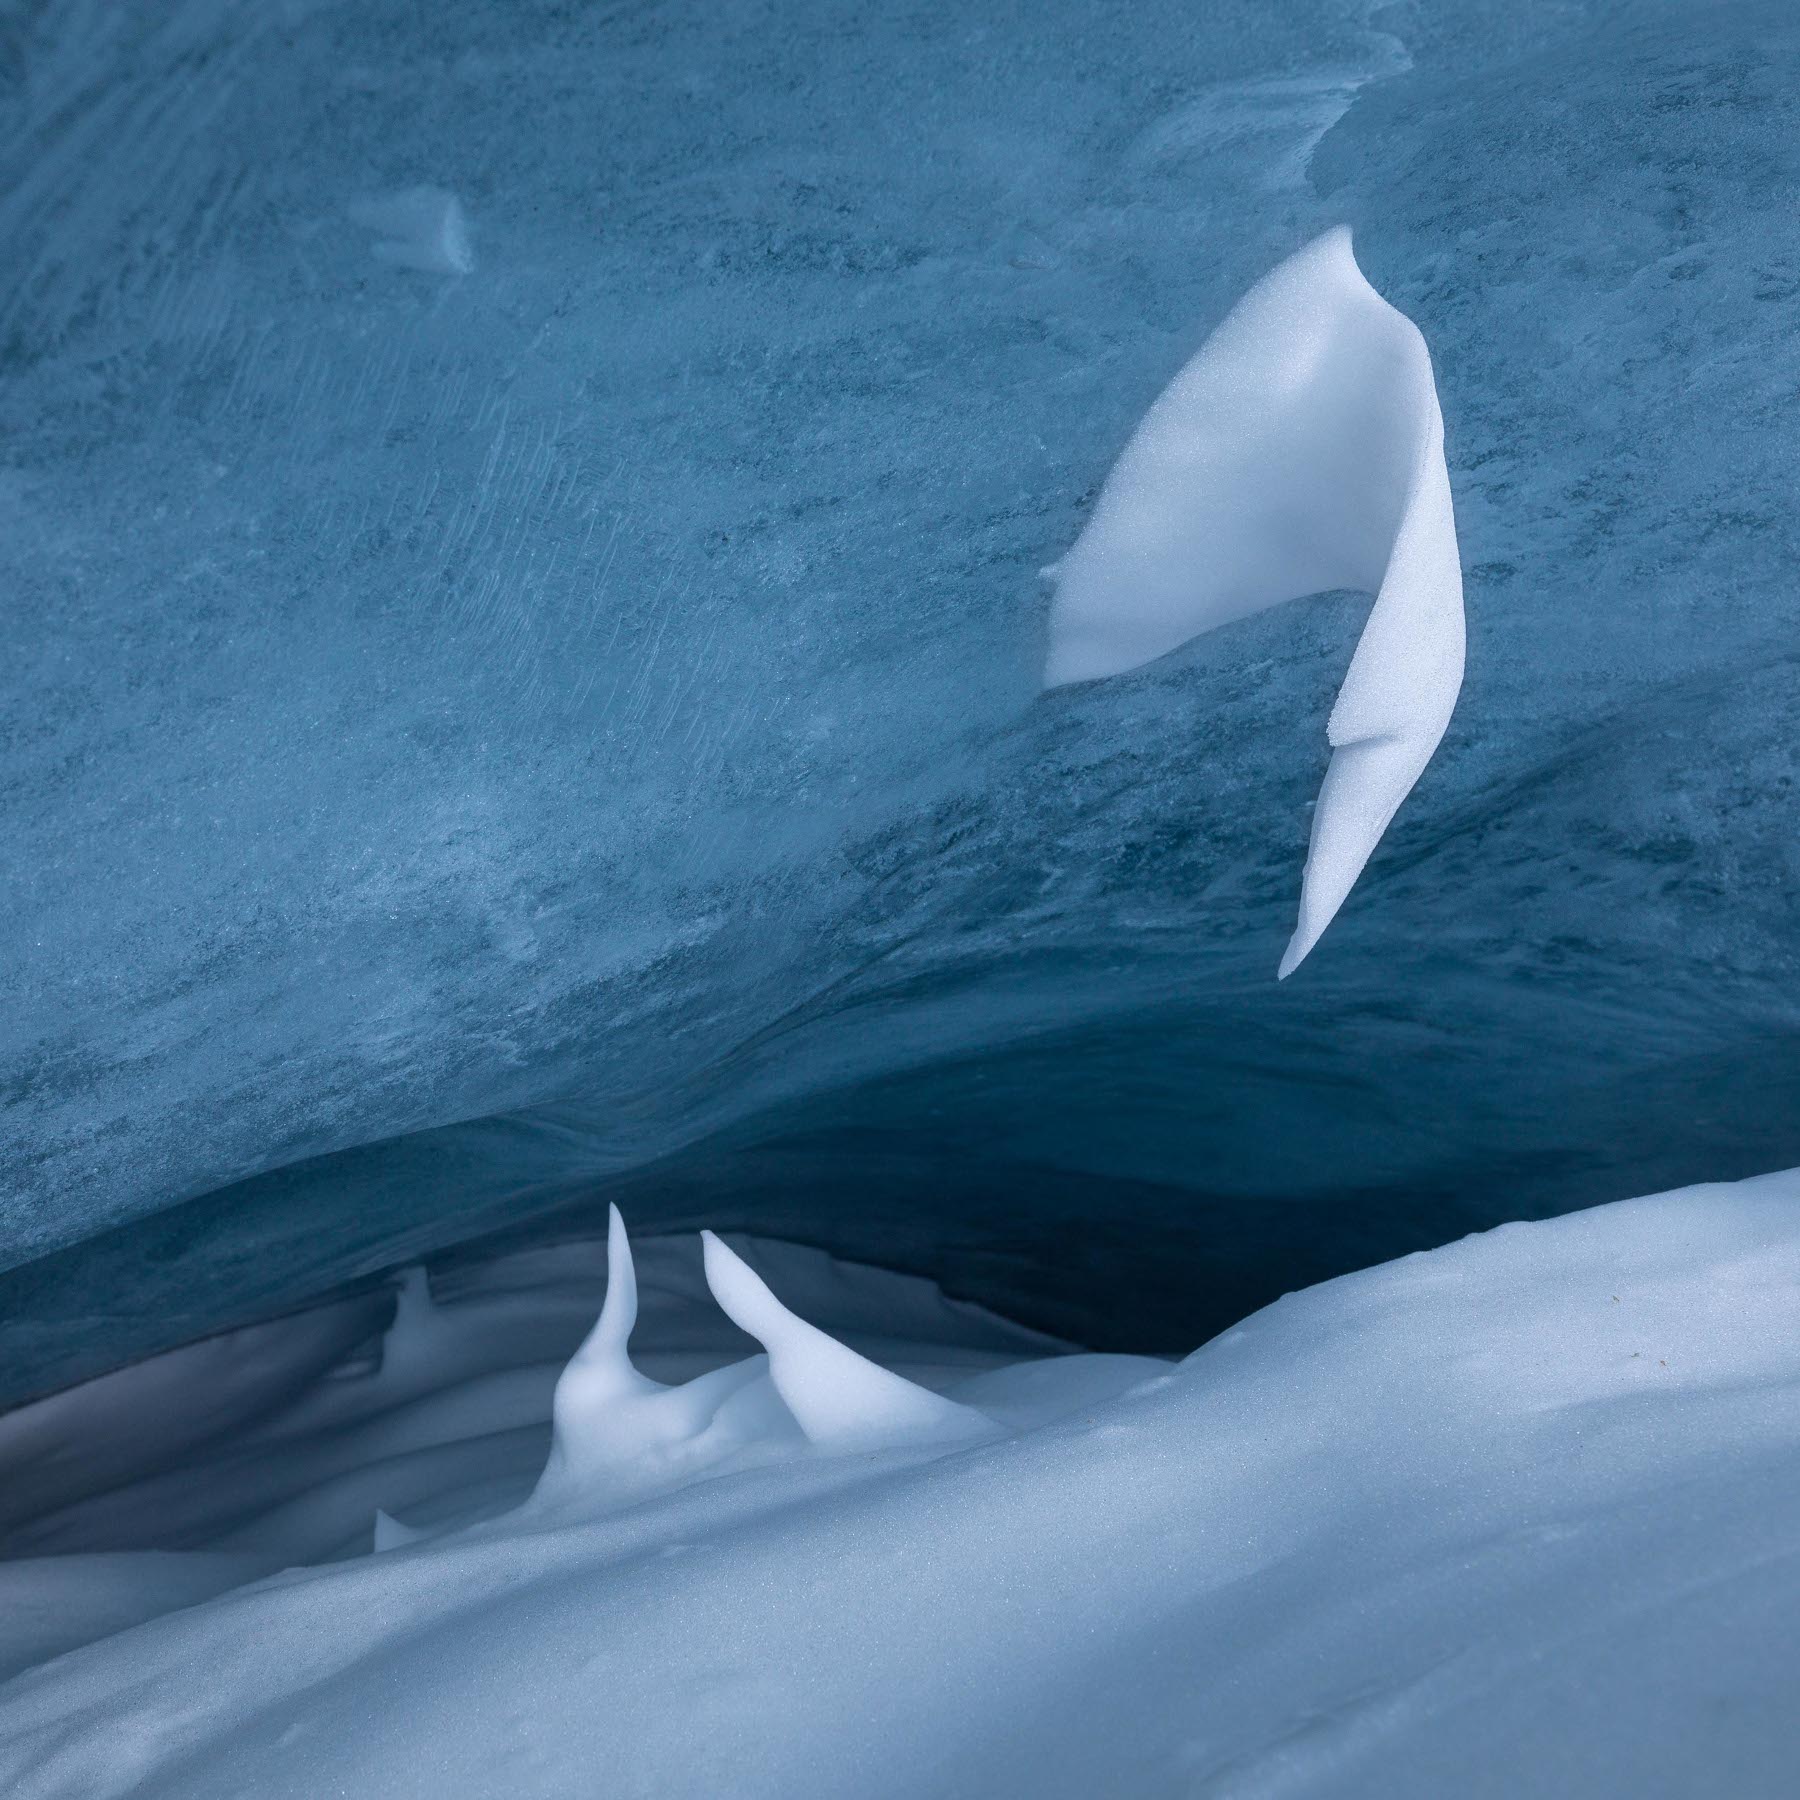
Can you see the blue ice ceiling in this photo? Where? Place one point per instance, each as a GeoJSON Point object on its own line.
{"type": "Point", "coordinates": [473, 744]}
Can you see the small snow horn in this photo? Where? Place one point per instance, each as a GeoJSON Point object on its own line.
{"type": "Point", "coordinates": [838, 1398]}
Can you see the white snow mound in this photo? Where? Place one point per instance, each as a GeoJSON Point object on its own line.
{"type": "Point", "coordinates": [1514, 1516]}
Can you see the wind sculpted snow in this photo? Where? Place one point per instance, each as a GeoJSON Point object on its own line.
{"type": "Point", "coordinates": [1513, 1515]}
{"type": "Point", "coordinates": [1301, 449]}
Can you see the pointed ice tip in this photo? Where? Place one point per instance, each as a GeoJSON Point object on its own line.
{"type": "Point", "coordinates": [415, 1312]}
{"type": "Point", "coordinates": [728, 1273]}
{"type": "Point", "coordinates": [747, 1300]}
{"type": "Point", "coordinates": [1293, 956]}
{"type": "Point", "coordinates": [607, 1343]}
{"type": "Point", "coordinates": [838, 1398]}
{"type": "Point", "coordinates": [1300, 449]}
{"type": "Point", "coordinates": [390, 1534]}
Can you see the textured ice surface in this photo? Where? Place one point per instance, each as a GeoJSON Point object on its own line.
{"type": "Point", "coordinates": [571, 729]}
{"type": "Point", "coordinates": [1511, 1516]}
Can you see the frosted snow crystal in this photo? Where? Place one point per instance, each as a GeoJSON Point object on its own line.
{"type": "Point", "coordinates": [418, 228]}
{"type": "Point", "coordinates": [1301, 450]}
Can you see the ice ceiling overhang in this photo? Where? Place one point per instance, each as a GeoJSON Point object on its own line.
{"type": "Point", "coordinates": [519, 548]}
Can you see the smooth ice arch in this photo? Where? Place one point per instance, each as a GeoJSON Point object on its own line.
{"type": "Point", "coordinates": [1301, 449]}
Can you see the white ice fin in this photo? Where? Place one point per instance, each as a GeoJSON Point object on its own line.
{"type": "Point", "coordinates": [603, 1363]}
{"type": "Point", "coordinates": [841, 1400]}
{"type": "Point", "coordinates": [415, 1346]}
{"type": "Point", "coordinates": [591, 1407]}
{"type": "Point", "coordinates": [1302, 449]}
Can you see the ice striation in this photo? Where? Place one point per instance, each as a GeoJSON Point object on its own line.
{"type": "Point", "coordinates": [1302, 449]}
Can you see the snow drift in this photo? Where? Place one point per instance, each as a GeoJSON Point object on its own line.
{"type": "Point", "coordinates": [1511, 1515]}
{"type": "Point", "coordinates": [613, 1429]}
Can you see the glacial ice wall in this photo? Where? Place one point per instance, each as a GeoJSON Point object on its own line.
{"type": "Point", "coordinates": [520, 704]}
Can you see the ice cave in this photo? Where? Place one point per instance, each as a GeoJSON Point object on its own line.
{"type": "Point", "coordinates": [899, 900]}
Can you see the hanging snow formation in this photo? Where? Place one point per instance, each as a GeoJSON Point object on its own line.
{"type": "Point", "coordinates": [1301, 450]}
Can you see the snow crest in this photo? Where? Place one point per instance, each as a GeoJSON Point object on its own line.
{"type": "Point", "coordinates": [838, 1398]}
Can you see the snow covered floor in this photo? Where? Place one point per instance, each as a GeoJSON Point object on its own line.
{"type": "Point", "coordinates": [1513, 1516]}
